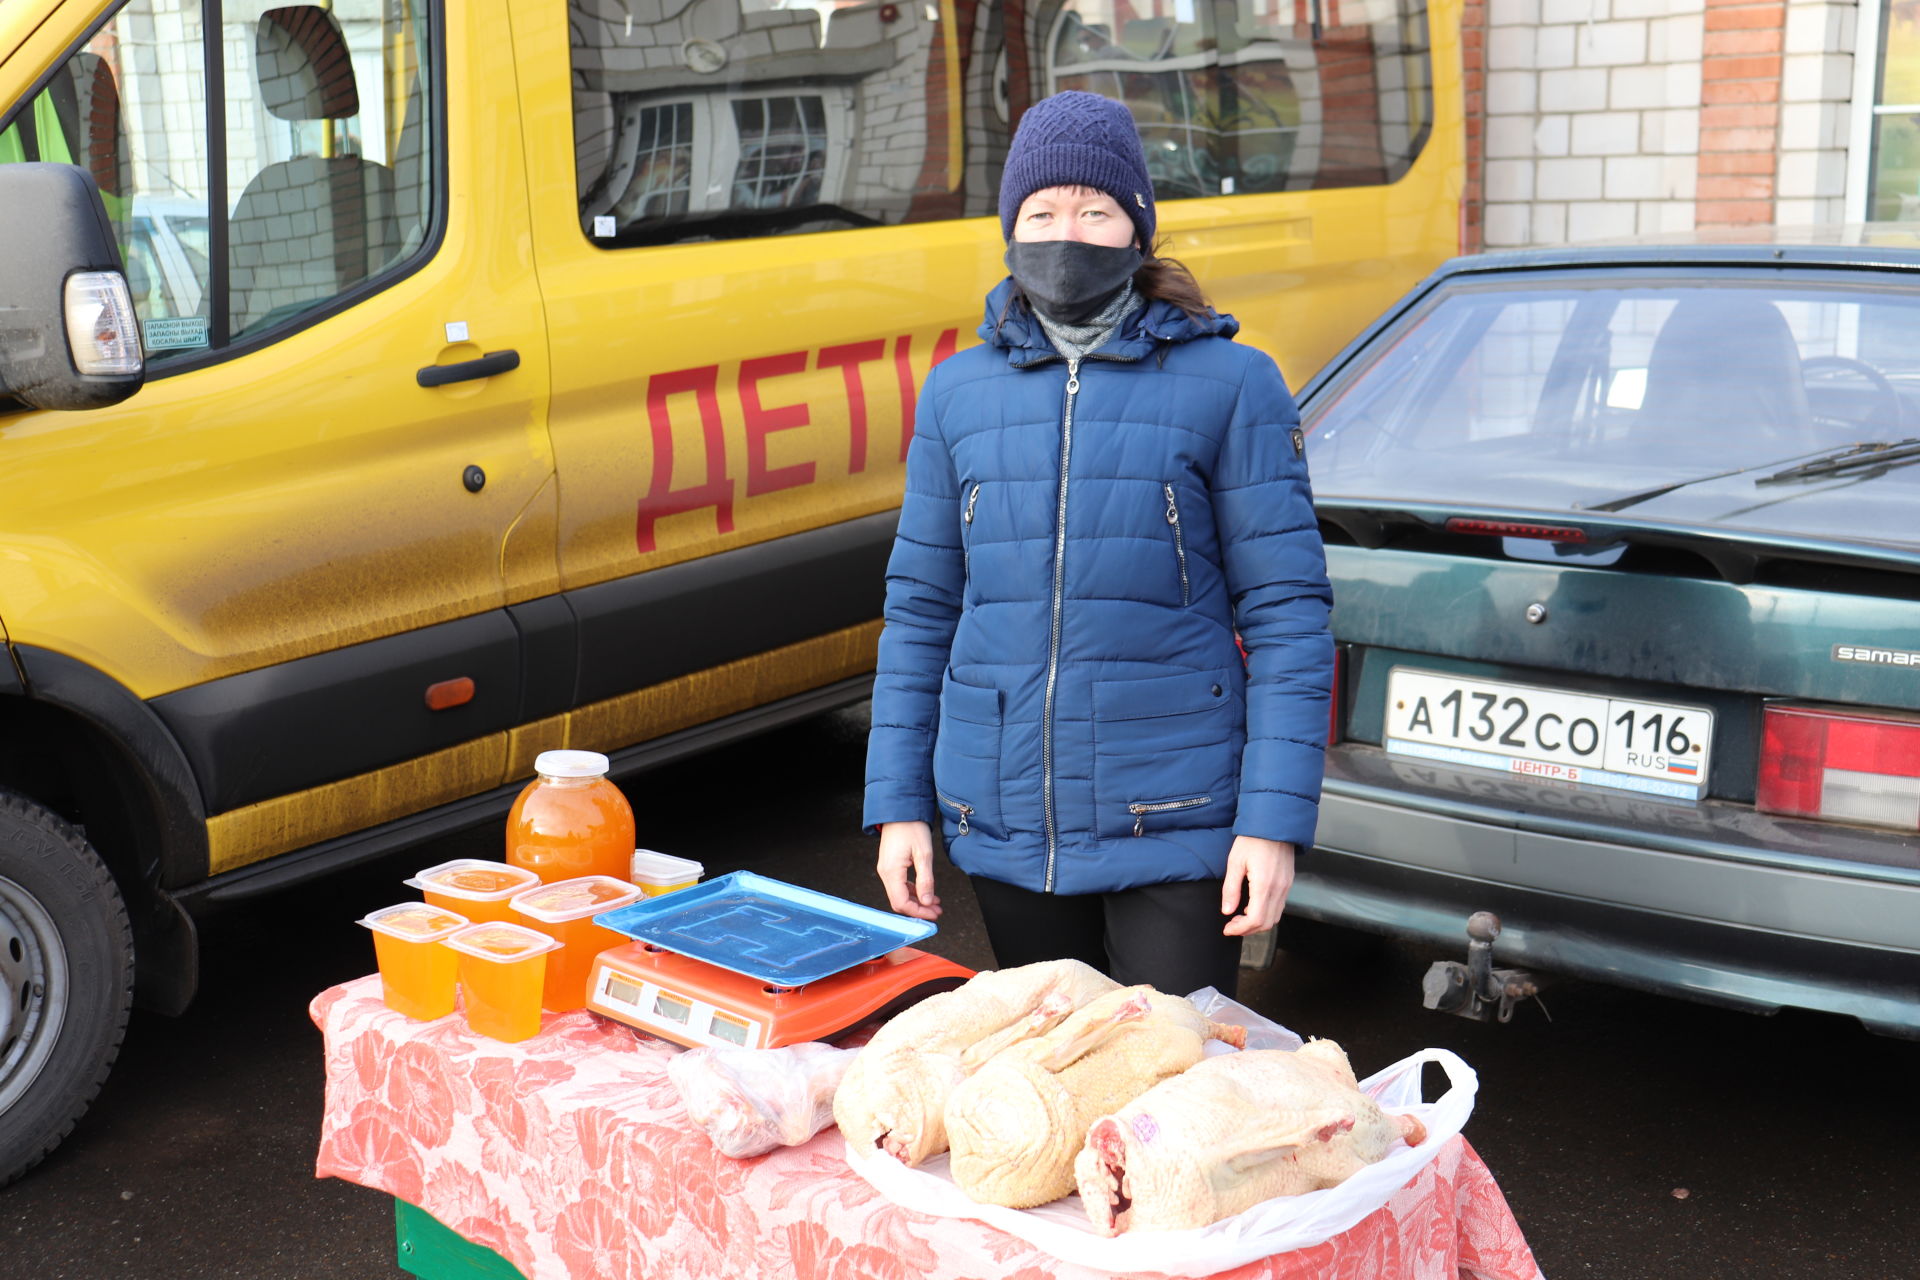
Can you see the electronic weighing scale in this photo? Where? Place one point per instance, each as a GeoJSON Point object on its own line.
{"type": "Point", "coordinates": [749, 961]}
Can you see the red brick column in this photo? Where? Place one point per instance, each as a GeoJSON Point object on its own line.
{"type": "Point", "coordinates": [1473, 66]}
{"type": "Point", "coordinates": [932, 199]}
{"type": "Point", "coordinates": [1740, 72]}
{"type": "Point", "coordinates": [1349, 109]}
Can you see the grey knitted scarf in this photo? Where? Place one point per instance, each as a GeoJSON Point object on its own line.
{"type": "Point", "coordinates": [1075, 340]}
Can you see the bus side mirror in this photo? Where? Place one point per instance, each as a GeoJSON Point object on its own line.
{"type": "Point", "coordinates": [69, 338]}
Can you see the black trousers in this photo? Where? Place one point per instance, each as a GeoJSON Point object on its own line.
{"type": "Point", "coordinates": [1165, 935]}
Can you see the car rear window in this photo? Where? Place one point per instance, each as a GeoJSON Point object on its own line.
{"type": "Point", "coordinates": [1753, 405]}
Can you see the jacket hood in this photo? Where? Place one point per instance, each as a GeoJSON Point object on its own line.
{"type": "Point", "coordinates": [1025, 342]}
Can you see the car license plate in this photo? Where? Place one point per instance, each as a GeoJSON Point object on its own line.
{"type": "Point", "coordinates": [1659, 748]}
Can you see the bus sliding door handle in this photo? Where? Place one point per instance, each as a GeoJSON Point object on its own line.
{"type": "Point", "coordinates": [439, 375]}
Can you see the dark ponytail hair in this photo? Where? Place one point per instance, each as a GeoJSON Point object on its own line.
{"type": "Point", "coordinates": [1168, 280]}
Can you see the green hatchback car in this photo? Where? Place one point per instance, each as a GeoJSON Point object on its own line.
{"type": "Point", "coordinates": [1625, 545]}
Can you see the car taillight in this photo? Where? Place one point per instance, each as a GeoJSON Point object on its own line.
{"type": "Point", "coordinates": [1516, 529]}
{"type": "Point", "coordinates": [1333, 703]}
{"type": "Point", "coordinates": [1846, 766]}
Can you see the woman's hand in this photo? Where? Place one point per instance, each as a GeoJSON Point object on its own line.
{"type": "Point", "coordinates": [1266, 868]}
{"type": "Point", "coordinates": [906, 869]}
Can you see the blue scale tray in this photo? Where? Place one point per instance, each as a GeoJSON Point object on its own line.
{"type": "Point", "coordinates": [768, 929]}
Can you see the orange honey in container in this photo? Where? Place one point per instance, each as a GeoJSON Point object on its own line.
{"type": "Point", "coordinates": [502, 967]}
{"type": "Point", "coordinates": [564, 911]}
{"type": "Point", "coordinates": [476, 888]}
{"type": "Point", "coordinates": [570, 820]}
{"type": "Point", "coordinates": [416, 969]}
{"type": "Point", "coordinates": [658, 873]}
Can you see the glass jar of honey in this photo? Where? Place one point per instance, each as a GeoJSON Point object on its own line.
{"type": "Point", "coordinates": [571, 820]}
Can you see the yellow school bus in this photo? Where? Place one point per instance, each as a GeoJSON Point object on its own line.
{"type": "Point", "coordinates": [521, 374]}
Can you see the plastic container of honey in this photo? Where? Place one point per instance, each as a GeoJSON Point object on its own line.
{"type": "Point", "coordinates": [658, 873]}
{"type": "Point", "coordinates": [571, 821]}
{"type": "Point", "coordinates": [564, 911]}
{"type": "Point", "coordinates": [474, 887]}
{"type": "Point", "coordinates": [502, 968]}
{"type": "Point", "coordinates": [417, 971]}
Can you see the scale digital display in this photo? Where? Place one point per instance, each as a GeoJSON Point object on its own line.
{"type": "Point", "coordinates": [681, 1016]}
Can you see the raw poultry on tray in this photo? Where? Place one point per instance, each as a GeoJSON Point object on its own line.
{"type": "Point", "coordinates": [1016, 1124]}
{"type": "Point", "coordinates": [894, 1096]}
{"type": "Point", "coordinates": [1230, 1132]}
{"type": "Point", "coordinates": [1049, 1078]}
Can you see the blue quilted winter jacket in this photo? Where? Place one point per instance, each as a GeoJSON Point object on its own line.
{"type": "Point", "coordinates": [1058, 681]}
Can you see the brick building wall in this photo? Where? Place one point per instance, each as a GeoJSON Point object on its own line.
{"type": "Point", "coordinates": [1619, 119]}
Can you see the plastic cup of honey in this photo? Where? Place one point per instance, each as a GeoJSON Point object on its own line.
{"type": "Point", "coordinates": [502, 967]}
{"type": "Point", "coordinates": [476, 888]}
{"type": "Point", "coordinates": [416, 969]}
{"type": "Point", "coordinates": [564, 911]}
{"type": "Point", "coordinates": [658, 873]}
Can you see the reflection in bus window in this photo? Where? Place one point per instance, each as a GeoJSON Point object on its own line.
{"type": "Point", "coordinates": [662, 172]}
{"type": "Point", "coordinates": [1284, 97]}
{"type": "Point", "coordinates": [783, 152]}
{"type": "Point", "coordinates": [716, 119]}
{"type": "Point", "coordinates": [721, 119]}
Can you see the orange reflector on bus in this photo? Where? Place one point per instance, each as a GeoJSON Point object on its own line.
{"type": "Point", "coordinates": [450, 693]}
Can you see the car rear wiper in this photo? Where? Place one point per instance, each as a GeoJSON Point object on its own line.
{"type": "Point", "coordinates": [1648, 495]}
{"type": "Point", "coordinates": [1867, 453]}
{"type": "Point", "coordinates": [1853, 457]}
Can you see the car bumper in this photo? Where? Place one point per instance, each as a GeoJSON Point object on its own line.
{"type": "Point", "coordinates": [1710, 901]}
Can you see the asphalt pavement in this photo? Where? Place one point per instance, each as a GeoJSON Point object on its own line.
{"type": "Point", "coordinates": [1633, 1136]}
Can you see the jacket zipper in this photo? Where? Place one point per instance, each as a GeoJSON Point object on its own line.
{"type": "Point", "coordinates": [1179, 544]}
{"type": "Point", "coordinates": [964, 810]}
{"type": "Point", "coordinates": [966, 533]}
{"type": "Point", "coordinates": [1140, 810]}
{"type": "Point", "coordinates": [1053, 639]}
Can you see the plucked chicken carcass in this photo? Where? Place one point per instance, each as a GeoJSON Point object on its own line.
{"type": "Point", "coordinates": [894, 1096]}
{"type": "Point", "coordinates": [750, 1101]}
{"type": "Point", "coordinates": [1016, 1124]}
{"type": "Point", "coordinates": [1230, 1132]}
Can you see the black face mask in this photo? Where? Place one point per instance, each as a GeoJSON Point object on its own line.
{"type": "Point", "coordinates": [1069, 281]}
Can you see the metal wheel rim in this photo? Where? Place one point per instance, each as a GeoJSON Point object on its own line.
{"type": "Point", "coordinates": [33, 985]}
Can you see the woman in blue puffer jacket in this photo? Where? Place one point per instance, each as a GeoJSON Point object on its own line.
{"type": "Point", "coordinates": [1098, 498]}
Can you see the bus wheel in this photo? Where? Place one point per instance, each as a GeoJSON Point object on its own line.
{"type": "Point", "coordinates": [66, 980]}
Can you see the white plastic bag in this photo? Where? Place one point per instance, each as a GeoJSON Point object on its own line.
{"type": "Point", "coordinates": [1275, 1226]}
{"type": "Point", "coordinates": [750, 1101]}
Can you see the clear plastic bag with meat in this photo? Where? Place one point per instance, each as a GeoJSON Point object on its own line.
{"type": "Point", "coordinates": [749, 1101]}
{"type": "Point", "coordinates": [1279, 1225]}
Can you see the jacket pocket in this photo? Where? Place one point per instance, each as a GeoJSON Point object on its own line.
{"type": "Point", "coordinates": [1179, 545]}
{"type": "Point", "coordinates": [966, 759]}
{"type": "Point", "coordinates": [1166, 752]}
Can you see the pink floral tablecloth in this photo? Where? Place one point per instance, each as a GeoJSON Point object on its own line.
{"type": "Point", "coordinates": [570, 1155]}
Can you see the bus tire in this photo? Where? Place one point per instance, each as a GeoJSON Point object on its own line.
{"type": "Point", "coordinates": [66, 980]}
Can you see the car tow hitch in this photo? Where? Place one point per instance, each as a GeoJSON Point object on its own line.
{"type": "Point", "coordinates": [1476, 989]}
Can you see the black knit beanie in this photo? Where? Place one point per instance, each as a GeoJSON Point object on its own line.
{"type": "Point", "coordinates": [1076, 139]}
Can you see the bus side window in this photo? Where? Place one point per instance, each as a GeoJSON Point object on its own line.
{"type": "Point", "coordinates": [1258, 95]}
{"type": "Point", "coordinates": [149, 160]}
{"type": "Point", "coordinates": [737, 118]}
{"type": "Point", "coordinates": [327, 186]}
{"type": "Point", "coordinates": [328, 168]}
{"type": "Point", "coordinates": [727, 119]}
